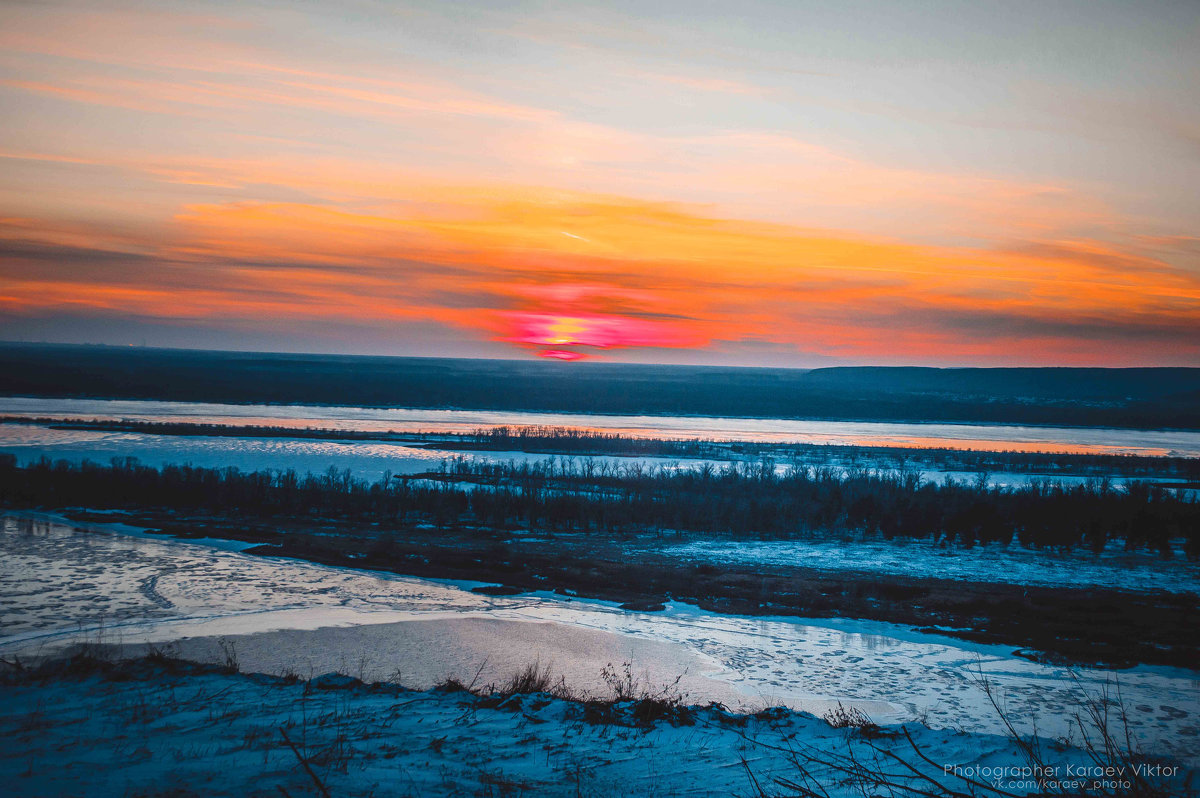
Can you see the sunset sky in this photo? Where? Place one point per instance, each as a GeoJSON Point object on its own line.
{"type": "Point", "coordinates": [760, 183]}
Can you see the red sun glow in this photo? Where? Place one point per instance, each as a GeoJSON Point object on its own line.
{"type": "Point", "coordinates": [560, 337]}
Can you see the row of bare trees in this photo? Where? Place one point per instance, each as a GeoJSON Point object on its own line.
{"type": "Point", "coordinates": [744, 499]}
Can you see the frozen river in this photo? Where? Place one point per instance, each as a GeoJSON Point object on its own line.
{"type": "Point", "coordinates": [371, 459]}
{"type": "Point", "coordinates": [1113, 568]}
{"type": "Point", "coordinates": [1182, 443]}
{"type": "Point", "coordinates": [60, 583]}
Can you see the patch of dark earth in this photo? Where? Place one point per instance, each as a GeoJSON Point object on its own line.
{"type": "Point", "coordinates": [148, 587]}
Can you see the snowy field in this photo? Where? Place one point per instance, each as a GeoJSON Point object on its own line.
{"type": "Point", "coordinates": [365, 459]}
{"type": "Point", "coordinates": [214, 734]}
{"type": "Point", "coordinates": [1012, 564]}
{"type": "Point", "coordinates": [59, 584]}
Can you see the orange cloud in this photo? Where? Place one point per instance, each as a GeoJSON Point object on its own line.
{"type": "Point", "coordinates": [572, 274]}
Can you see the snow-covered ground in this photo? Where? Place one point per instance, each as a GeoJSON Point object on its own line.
{"type": "Point", "coordinates": [59, 584]}
{"type": "Point", "coordinates": [365, 459]}
{"type": "Point", "coordinates": [1012, 564]}
{"type": "Point", "coordinates": [171, 733]}
{"type": "Point", "coordinates": [219, 734]}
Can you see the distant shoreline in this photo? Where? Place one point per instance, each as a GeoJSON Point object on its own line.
{"type": "Point", "coordinates": [1071, 398]}
{"type": "Point", "coordinates": [932, 422]}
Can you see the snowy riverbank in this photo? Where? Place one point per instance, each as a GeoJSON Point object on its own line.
{"type": "Point", "coordinates": [60, 585]}
{"type": "Point", "coordinates": [183, 730]}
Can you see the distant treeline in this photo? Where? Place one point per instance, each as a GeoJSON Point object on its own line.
{"type": "Point", "coordinates": [1148, 398]}
{"type": "Point", "coordinates": [602, 497]}
{"type": "Point", "coordinates": [583, 442]}
{"type": "Point", "coordinates": [559, 440]}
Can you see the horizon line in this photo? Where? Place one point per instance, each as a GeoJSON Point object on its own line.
{"type": "Point", "coordinates": [583, 362]}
